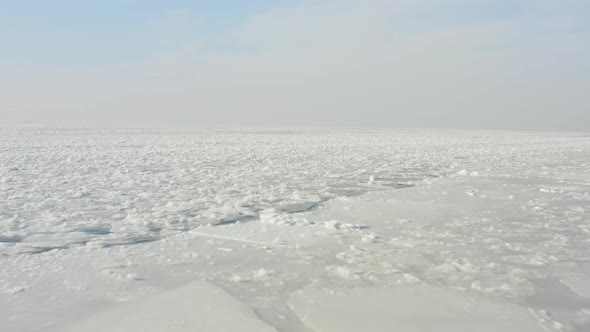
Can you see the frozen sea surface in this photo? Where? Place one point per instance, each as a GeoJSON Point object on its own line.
{"type": "Point", "coordinates": [294, 230]}
{"type": "Point", "coordinates": [70, 187]}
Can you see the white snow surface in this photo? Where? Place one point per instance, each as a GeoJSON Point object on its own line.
{"type": "Point", "coordinates": [408, 309]}
{"type": "Point", "coordinates": [197, 306]}
{"type": "Point", "coordinates": [294, 230]}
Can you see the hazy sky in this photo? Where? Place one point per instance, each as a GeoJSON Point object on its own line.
{"type": "Point", "coordinates": [407, 63]}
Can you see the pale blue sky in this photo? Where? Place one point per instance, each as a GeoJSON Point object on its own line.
{"type": "Point", "coordinates": [406, 63]}
{"type": "Point", "coordinates": [108, 31]}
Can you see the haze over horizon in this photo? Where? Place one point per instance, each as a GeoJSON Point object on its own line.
{"type": "Point", "coordinates": [478, 64]}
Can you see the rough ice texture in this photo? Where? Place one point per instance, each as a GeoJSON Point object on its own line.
{"type": "Point", "coordinates": [102, 224]}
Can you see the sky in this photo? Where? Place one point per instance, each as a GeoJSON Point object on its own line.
{"type": "Point", "coordinates": [479, 64]}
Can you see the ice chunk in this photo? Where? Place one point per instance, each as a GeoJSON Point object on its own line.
{"type": "Point", "coordinates": [198, 306]}
{"type": "Point", "coordinates": [409, 309]}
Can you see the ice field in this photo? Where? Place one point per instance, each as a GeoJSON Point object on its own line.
{"type": "Point", "coordinates": [311, 230]}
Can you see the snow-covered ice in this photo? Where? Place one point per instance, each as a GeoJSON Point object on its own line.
{"type": "Point", "coordinates": [197, 306]}
{"type": "Point", "coordinates": [408, 308]}
{"type": "Point", "coordinates": [294, 230]}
